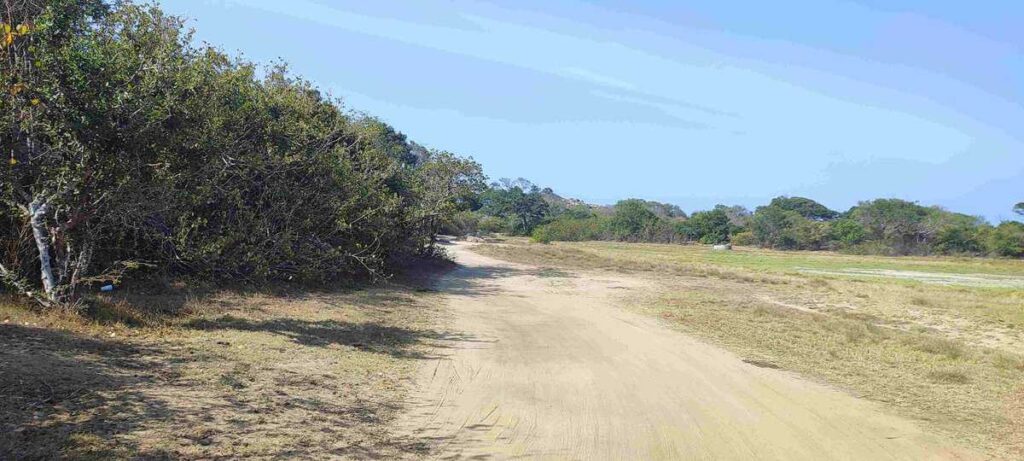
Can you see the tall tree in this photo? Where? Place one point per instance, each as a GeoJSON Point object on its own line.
{"type": "Point", "coordinates": [804, 207]}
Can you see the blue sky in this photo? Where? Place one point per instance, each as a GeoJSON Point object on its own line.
{"type": "Point", "coordinates": [693, 103]}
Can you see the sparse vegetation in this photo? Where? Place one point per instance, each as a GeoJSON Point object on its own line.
{"type": "Point", "coordinates": [220, 374]}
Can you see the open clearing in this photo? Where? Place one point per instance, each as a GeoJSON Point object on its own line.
{"type": "Point", "coordinates": [551, 367]}
{"type": "Point", "coordinates": [947, 356]}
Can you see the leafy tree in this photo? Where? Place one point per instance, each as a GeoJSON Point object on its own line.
{"type": "Point", "coordinates": [1006, 239]}
{"type": "Point", "coordinates": [954, 233]}
{"type": "Point", "coordinates": [894, 222]}
{"type": "Point", "coordinates": [804, 207]}
{"type": "Point", "coordinates": [846, 232]}
{"type": "Point", "coordinates": [709, 227]}
{"type": "Point", "coordinates": [664, 210]}
{"type": "Point", "coordinates": [526, 208]}
{"type": "Point", "coordinates": [632, 220]}
{"type": "Point", "coordinates": [1019, 208]}
{"type": "Point", "coordinates": [739, 216]}
{"type": "Point", "coordinates": [774, 227]}
{"type": "Point", "coordinates": [447, 184]}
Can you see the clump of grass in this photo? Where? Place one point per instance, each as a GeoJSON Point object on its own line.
{"type": "Point", "coordinates": [855, 331]}
{"type": "Point", "coordinates": [818, 282]}
{"type": "Point", "coordinates": [922, 301]}
{"type": "Point", "coordinates": [1008, 361]}
{"type": "Point", "coordinates": [108, 312]}
{"type": "Point", "coordinates": [939, 346]}
{"type": "Point", "coordinates": [949, 375]}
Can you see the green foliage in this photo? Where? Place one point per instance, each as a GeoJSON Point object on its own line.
{"type": "Point", "coordinates": [1006, 239]}
{"type": "Point", "coordinates": [846, 232]}
{"type": "Point", "coordinates": [131, 146]}
{"type": "Point", "coordinates": [896, 223]}
{"type": "Point", "coordinates": [631, 220]}
{"type": "Point", "coordinates": [576, 212]}
{"type": "Point", "coordinates": [774, 227]}
{"type": "Point", "coordinates": [518, 201]}
{"type": "Point", "coordinates": [952, 233]}
{"type": "Point", "coordinates": [569, 229]}
{"type": "Point", "coordinates": [1019, 208]}
{"type": "Point", "coordinates": [744, 238]}
{"type": "Point", "coordinates": [710, 227]}
{"type": "Point", "coordinates": [739, 216]}
{"type": "Point", "coordinates": [663, 210]}
{"type": "Point", "coordinates": [804, 207]}
{"type": "Point", "coordinates": [493, 225]}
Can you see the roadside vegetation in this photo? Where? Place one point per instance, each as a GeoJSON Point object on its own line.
{"type": "Point", "coordinates": [950, 355]}
{"type": "Point", "coordinates": [130, 151]}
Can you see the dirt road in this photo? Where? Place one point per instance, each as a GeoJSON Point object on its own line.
{"type": "Point", "coordinates": [548, 367]}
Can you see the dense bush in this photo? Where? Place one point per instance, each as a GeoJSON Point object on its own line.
{"type": "Point", "coordinates": [1007, 239]}
{"type": "Point", "coordinates": [632, 221]}
{"type": "Point", "coordinates": [709, 227]}
{"type": "Point", "coordinates": [573, 230]}
{"type": "Point", "coordinates": [130, 147]}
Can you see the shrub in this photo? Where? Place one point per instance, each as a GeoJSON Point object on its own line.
{"type": "Point", "coordinates": [461, 223]}
{"type": "Point", "coordinates": [776, 228]}
{"type": "Point", "coordinates": [1006, 239]}
{"type": "Point", "coordinates": [493, 225]}
{"type": "Point", "coordinates": [846, 232]}
{"type": "Point", "coordinates": [745, 238]}
{"type": "Point", "coordinates": [572, 230]}
{"type": "Point", "coordinates": [709, 227]}
{"type": "Point", "coordinates": [631, 220]}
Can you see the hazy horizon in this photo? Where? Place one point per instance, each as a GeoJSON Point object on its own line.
{"type": "Point", "coordinates": [699, 104]}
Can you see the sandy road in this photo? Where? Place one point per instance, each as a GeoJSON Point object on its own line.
{"type": "Point", "coordinates": [546, 368]}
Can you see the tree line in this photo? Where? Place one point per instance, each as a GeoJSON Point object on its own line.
{"type": "Point", "coordinates": [127, 149]}
{"type": "Point", "coordinates": [882, 226]}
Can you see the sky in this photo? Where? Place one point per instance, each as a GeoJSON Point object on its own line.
{"type": "Point", "coordinates": [691, 103]}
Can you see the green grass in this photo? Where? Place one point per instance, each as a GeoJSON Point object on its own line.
{"type": "Point", "coordinates": [790, 261]}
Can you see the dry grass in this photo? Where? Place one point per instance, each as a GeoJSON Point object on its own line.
{"type": "Point", "coordinates": [949, 356]}
{"type": "Point", "coordinates": [293, 374]}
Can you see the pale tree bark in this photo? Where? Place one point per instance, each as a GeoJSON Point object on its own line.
{"type": "Point", "coordinates": [37, 219]}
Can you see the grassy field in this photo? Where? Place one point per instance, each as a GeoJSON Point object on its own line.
{"type": "Point", "coordinates": [944, 351]}
{"type": "Point", "coordinates": [293, 374]}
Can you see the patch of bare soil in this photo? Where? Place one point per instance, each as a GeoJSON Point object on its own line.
{"type": "Point", "coordinates": [297, 376]}
{"type": "Point", "coordinates": [550, 366]}
{"type": "Point", "coordinates": [969, 280]}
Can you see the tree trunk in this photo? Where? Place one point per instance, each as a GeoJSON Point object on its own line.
{"type": "Point", "coordinates": [37, 210]}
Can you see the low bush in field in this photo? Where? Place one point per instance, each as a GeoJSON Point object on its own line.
{"type": "Point", "coordinates": [572, 230]}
